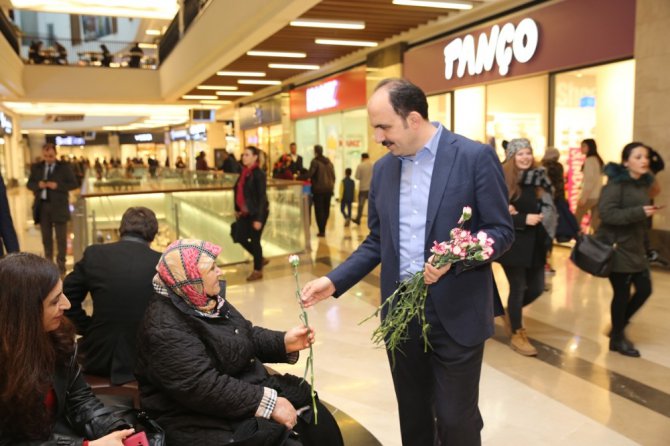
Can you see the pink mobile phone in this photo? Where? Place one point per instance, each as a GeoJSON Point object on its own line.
{"type": "Point", "coordinates": [138, 439]}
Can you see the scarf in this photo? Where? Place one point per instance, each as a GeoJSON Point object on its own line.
{"type": "Point", "coordinates": [180, 270]}
{"type": "Point", "coordinates": [239, 192]}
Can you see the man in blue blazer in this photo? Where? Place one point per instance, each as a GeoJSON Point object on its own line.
{"type": "Point", "coordinates": [417, 194]}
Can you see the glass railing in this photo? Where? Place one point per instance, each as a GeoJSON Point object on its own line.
{"type": "Point", "coordinates": [189, 205]}
{"type": "Point", "coordinates": [49, 50]}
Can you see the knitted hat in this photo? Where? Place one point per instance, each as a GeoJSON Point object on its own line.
{"type": "Point", "coordinates": [182, 266]}
{"type": "Point", "coordinates": [515, 145]}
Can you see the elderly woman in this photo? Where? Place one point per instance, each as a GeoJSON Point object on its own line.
{"type": "Point", "coordinates": [200, 367]}
{"type": "Point", "coordinates": [43, 398]}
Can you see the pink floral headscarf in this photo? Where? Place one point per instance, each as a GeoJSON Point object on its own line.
{"type": "Point", "coordinates": [181, 268]}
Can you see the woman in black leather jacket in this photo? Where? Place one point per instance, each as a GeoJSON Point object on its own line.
{"type": "Point", "coordinates": [44, 399]}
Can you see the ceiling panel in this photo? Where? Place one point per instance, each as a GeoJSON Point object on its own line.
{"type": "Point", "coordinates": [382, 21]}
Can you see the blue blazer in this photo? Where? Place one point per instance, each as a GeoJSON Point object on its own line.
{"type": "Point", "coordinates": [466, 173]}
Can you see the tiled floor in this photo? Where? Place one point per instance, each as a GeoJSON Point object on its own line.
{"type": "Point", "coordinates": [575, 392]}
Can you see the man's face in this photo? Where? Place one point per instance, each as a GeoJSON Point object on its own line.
{"type": "Point", "coordinates": [49, 156]}
{"type": "Point", "coordinates": [293, 149]}
{"type": "Point", "coordinates": [397, 134]}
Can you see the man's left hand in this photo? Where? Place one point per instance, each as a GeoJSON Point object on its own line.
{"type": "Point", "coordinates": [432, 274]}
{"type": "Point", "coordinates": [52, 185]}
{"type": "Point", "coordinates": [298, 338]}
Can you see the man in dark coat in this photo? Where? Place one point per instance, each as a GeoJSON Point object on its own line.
{"type": "Point", "coordinates": [118, 276]}
{"type": "Point", "coordinates": [51, 181]}
{"type": "Point", "coordinates": [417, 195]}
{"type": "Point", "coordinates": [296, 166]}
{"type": "Point", "coordinates": [8, 240]}
{"type": "Point", "coordinates": [322, 174]}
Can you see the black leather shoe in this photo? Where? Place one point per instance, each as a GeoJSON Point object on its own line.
{"type": "Point", "coordinates": [624, 346]}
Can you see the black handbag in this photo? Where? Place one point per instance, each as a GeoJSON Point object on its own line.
{"type": "Point", "coordinates": [593, 256]}
{"type": "Point", "coordinates": [239, 231]}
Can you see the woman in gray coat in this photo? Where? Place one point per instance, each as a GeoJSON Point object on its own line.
{"type": "Point", "coordinates": [624, 208]}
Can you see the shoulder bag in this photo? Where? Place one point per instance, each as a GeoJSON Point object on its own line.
{"type": "Point", "coordinates": [593, 256]}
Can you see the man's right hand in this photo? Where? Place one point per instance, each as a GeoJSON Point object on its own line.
{"type": "Point", "coordinates": [284, 413]}
{"type": "Point", "coordinates": [317, 290]}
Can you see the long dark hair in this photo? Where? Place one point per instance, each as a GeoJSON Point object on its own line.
{"type": "Point", "coordinates": [28, 353]}
{"type": "Point", "coordinates": [592, 150]}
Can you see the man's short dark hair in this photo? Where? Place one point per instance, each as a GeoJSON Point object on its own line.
{"type": "Point", "coordinates": [49, 146]}
{"type": "Point", "coordinates": [139, 221]}
{"type": "Point", "coordinates": [405, 97]}
{"type": "Point", "coordinates": [318, 150]}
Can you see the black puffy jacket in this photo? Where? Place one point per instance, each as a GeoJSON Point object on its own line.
{"type": "Point", "coordinates": [201, 377]}
{"type": "Point", "coordinates": [74, 419]}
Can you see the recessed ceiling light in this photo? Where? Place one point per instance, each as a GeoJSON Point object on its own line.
{"type": "Point", "coordinates": [434, 4]}
{"type": "Point", "coordinates": [293, 66]}
{"type": "Point", "coordinates": [156, 9]}
{"type": "Point", "coordinates": [148, 45]}
{"type": "Point", "coordinates": [153, 32]}
{"type": "Point", "coordinates": [325, 23]}
{"type": "Point", "coordinates": [216, 87]}
{"type": "Point", "coordinates": [216, 102]}
{"type": "Point", "coordinates": [345, 42]}
{"type": "Point", "coordinates": [241, 73]}
{"type": "Point", "coordinates": [258, 82]}
{"type": "Point", "coordinates": [277, 54]}
{"type": "Point", "coordinates": [234, 93]}
{"type": "Point", "coordinates": [199, 96]}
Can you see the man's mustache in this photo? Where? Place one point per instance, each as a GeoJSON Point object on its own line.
{"type": "Point", "coordinates": [387, 143]}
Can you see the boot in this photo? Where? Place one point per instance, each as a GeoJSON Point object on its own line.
{"type": "Point", "coordinates": [255, 275]}
{"type": "Point", "coordinates": [521, 344]}
{"type": "Point", "coordinates": [507, 325]}
{"type": "Point", "coordinates": [619, 343]}
{"type": "Point", "coordinates": [346, 222]}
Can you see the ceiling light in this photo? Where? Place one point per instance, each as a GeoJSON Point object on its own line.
{"type": "Point", "coordinates": [258, 82]}
{"type": "Point", "coordinates": [294, 66]}
{"type": "Point", "coordinates": [325, 23]}
{"type": "Point", "coordinates": [241, 73]}
{"type": "Point", "coordinates": [434, 4]}
{"type": "Point", "coordinates": [148, 45]}
{"type": "Point", "coordinates": [233, 93]}
{"type": "Point", "coordinates": [44, 131]}
{"type": "Point", "coordinates": [277, 54]}
{"type": "Point", "coordinates": [153, 9]}
{"type": "Point", "coordinates": [216, 102]}
{"type": "Point", "coordinates": [345, 42]}
{"type": "Point", "coordinates": [153, 32]}
{"type": "Point", "coordinates": [199, 96]}
{"type": "Point", "coordinates": [216, 87]}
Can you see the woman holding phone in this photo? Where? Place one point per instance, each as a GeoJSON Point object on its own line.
{"type": "Point", "coordinates": [44, 399]}
{"type": "Point", "coordinates": [624, 208]}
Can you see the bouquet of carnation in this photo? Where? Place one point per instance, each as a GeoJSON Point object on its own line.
{"type": "Point", "coordinates": [409, 300]}
{"type": "Point", "coordinates": [294, 260]}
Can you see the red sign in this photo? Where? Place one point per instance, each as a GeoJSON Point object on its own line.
{"type": "Point", "coordinates": [340, 92]}
{"type": "Point", "coordinates": [564, 34]}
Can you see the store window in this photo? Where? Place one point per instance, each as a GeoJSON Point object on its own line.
{"type": "Point", "coordinates": [439, 109]}
{"type": "Point", "coordinates": [518, 109]}
{"type": "Point", "coordinates": [596, 103]}
{"type": "Point", "coordinates": [469, 112]}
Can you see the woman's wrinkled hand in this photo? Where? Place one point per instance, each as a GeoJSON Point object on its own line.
{"type": "Point", "coordinates": [284, 413]}
{"type": "Point", "coordinates": [114, 439]}
{"type": "Point", "coordinates": [298, 338]}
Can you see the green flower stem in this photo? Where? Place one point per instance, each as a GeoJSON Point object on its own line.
{"type": "Point", "coordinates": [309, 365]}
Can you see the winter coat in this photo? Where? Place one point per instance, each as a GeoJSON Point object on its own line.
{"type": "Point", "coordinates": [255, 196]}
{"type": "Point", "coordinates": [623, 218]}
{"type": "Point", "coordinates": [201, 378]}
{"type": "Point", "coordinates": [530, 242]}
{"type": "Point", "coordinates": [322, 174]}
{"type": "Point", "coordinates": [73, 415]}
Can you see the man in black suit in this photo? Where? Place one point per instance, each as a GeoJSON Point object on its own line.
{"type": "Point", "coordinates": [296, 166]}
{"type": "Point", "coordinates": [119, 277]}
{"type": "Point", "coordinates": [8, 240]}
{"type": "Point", "coordinates": [417, 195]}
{"type": "Point", "coordinates": [51, 181]}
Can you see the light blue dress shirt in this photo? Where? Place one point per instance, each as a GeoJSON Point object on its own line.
{"type": "Point", "coordinates": [416, 172]}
